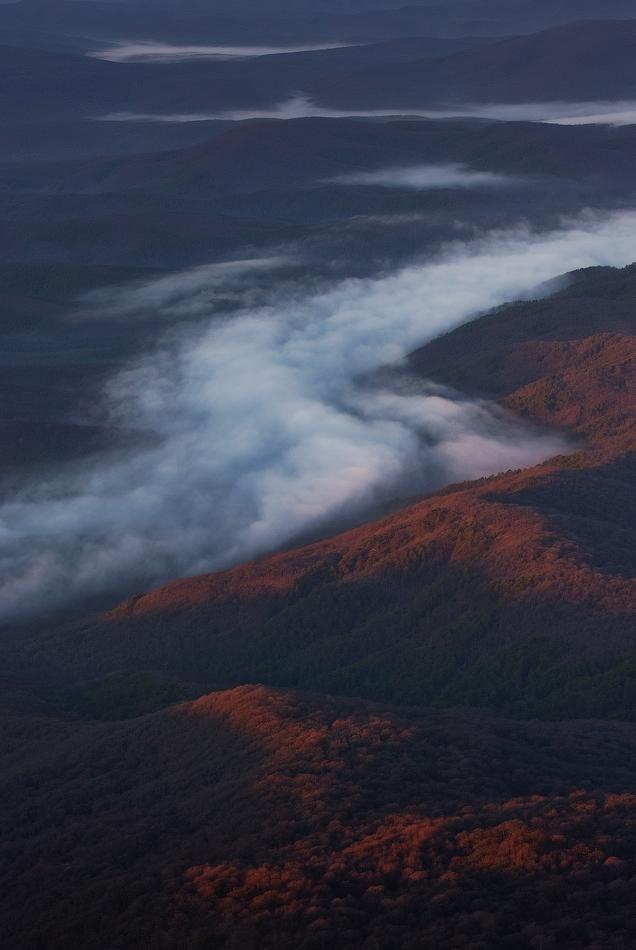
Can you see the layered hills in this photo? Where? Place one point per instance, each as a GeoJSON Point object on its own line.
{"type": "Point", "coordinates": [441, 753]}
{"type": "Point", "coordinates": [586, 61]}
{"type": "Point", "coordinates": [62, 82]}
{"type": "Point", "coordinates": [307, 152]}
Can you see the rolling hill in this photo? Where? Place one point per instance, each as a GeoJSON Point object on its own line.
{"type": "Point", "coordinates": [584, 62]}
{"type": "Point", "coordinates": [262, 819]}
{"type": "Point", "coordinates": [306, 151]}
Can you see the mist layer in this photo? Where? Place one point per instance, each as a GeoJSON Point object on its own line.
{"type": "Point", "coordinates": [267, 427]}
{"type": "Point", "coordinates": [426, 178]}
{"type": "Point", "coordinates": [149, 51]}
{"type": "Point", "coordinates": [301, 107]}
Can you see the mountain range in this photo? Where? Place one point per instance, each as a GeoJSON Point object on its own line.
{"type": "Point", "coordinates": [580, 62]}
{"type": "Point", "coordinates": [255, 293]}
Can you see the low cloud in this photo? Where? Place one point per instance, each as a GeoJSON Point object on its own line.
{"type": "Point", "coordinates": [298, 107]}
{"type": "Point", "coordinates": [301, 107]}
{"type": "Point", "coordinates": [371, 221]}
{"type": "Point", "coordinates": [554, 113]}
{"type": "Point", "coordinates": [149, 51]}
{"type": "Point", "coordinates": [192, 293]}
{"type": "Point", "coordinates": [426, 178]}
{"type": "Point", "coordinates": [266, 424]}
{"type": "Point", "coordinates": [595, 113]}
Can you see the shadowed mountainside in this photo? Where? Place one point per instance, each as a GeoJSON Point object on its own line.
{"type": "Point", "coordinates": [258, 818]}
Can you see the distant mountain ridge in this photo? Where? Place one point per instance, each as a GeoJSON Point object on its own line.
{"type": "Point", "coordinates": [358, 21]}
{"type": "Point", "coordinates": [582, 61]}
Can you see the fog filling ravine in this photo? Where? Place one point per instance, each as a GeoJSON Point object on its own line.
{"type": "Point", "coordinates": [266, 428]}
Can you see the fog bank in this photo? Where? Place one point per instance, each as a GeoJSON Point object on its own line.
{"type": "Point", "coordinates": [149, 51]}
{"type": "Point", "coordinates": [264, 428]}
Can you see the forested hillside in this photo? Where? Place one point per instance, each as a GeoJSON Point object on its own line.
{"type": "Point", "coordinates": [258, 819]}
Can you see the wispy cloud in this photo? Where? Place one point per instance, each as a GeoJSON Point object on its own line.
{"type": "Point", "coordinates": [557, 113]}
{"type": "Point", "coordinates": [615, 114]}
{"type": "Point", "coordinates": [426, 178]}
{"type": "Point", "coordinates": [192, 293]}
{"type": "Point", "coordinates": [149, 51]}
{"type": "Point", "coordinates": [265, 427]}
{"type": "Point", "coordinates": [298, 107]}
